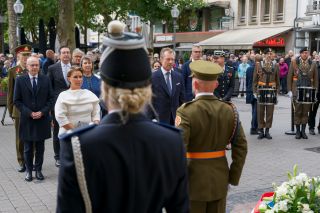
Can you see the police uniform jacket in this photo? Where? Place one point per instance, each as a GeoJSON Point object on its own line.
{"type": "Point", "coordinates": [13, 73]}
{"type": "Point", "coordinates": [296, 69]}
{"type": "Point", "coordinates": [134, 167]}
{"type": "Point", "coordinates": [226, 84]}
{"type": "Point", "coordinates": [266, 75]}
{"type": "Point", "coordinates": [207, 124]}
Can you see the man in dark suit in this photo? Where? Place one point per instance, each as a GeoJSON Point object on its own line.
{"type": "Point", "coordinates": [33, 97]}
{"type": "Point", "coordinates": [196, 54]}
{"type": "Point", "coordinates": [48, 61]}
{"type": "Point", "coordinates": [58, 78]}
{"type": "Point", "coordinates": [130, 164]}
{"type": "Point", "coordinates": [167, 87]}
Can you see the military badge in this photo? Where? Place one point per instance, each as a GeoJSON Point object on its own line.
{"type": "Point", "coordinates": [177, 120]}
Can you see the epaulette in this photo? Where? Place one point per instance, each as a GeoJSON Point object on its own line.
{"type": "Point", "coordinates": [74, 132]}
{"type": "Point", "coordinates": [187, 103]}
{"type": "Point", "coordinates": [168, 126]}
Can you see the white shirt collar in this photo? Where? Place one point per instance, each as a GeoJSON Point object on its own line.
{"type": "Point", "coordinates": [31, 77]}
{"type": "Point", "coordinates": [204, 94]}
{"type": "Point", "coordinates": [164, 71]}
{"type": "Point", "coordinates": [63, 64]}
{"type": "Point", "coordinates": [114, 110]}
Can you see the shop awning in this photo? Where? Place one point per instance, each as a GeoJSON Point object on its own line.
{"type": "Point", "coordinates": [241, 38]}
{"type": "Point", "coordinates": [219, 3]}
{"type": "Point", "coordinates": [162, 44]}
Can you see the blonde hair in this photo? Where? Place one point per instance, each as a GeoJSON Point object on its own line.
{"type": "Point", "coordinates": [128, 100]}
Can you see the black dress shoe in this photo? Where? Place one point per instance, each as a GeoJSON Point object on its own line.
{"type": "Point", "coordinates": [311, 132]}
{"type": "Point", "coordinates": [28, 176]}
{"type": "Point", "coordinates": [57, 163]}
{"type": "Point", "coordinates": [22, 169]}
{"type": "Point", "coordinates": [39, 175]}
{"type": "Point", "coordinates": [254, 132]}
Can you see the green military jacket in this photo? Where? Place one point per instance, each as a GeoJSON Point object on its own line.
{"type": "Point", "coordinates": [13, 73]}
{"type": "Point", "coordinates": [264, 73]}
{"type": "Point", "coordinates": [207, 124]}
{"type": "Point", "coordinates": [295, 68]}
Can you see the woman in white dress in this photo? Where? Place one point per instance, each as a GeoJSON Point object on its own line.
{"type": "Point", "coordinates": [76, 107]}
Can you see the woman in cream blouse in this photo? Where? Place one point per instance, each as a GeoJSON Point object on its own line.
{"type": "Point", "coordinates": [76, 107]}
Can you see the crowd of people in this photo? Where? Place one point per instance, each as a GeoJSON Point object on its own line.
{"type": "Point", "coordinates": [135, 129]}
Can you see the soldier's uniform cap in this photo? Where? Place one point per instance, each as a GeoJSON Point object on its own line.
{"type": "Point", "coordinates": [25, 48]}
{"type": "Point", "coordinates": [124, 62]}
{"type": "Point", "coordinates": [205, 70]}
{"type": "Point", "coordinates": [304, 49]}
{"type": "Point", "coordinates": [219, 54]}
{"type": "Point", "coordinates": [267, 50]}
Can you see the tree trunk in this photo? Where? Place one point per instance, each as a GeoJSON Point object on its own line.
{"type": "Point", "coordinates": [12, 22]}
{"type": "Point", "coordinates": [65, 27]}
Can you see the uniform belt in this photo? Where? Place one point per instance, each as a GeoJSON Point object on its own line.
{"type": "Point", "coordinates": [206, 155]}
{"type": "Point", "coordinates": [260, 83]}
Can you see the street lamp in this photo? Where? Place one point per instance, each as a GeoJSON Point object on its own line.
{"type": "Point", "coordinates": [175, 14]}
{"type": "Point", "coordinates": [18, 9]}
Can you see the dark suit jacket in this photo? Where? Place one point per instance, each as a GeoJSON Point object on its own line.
{"type": "Point", "coordinates": [48, 62]}
{"type": "Point", "coordinates": [57, 80]}
{"type": "Point", "coordinates": [165, 104]}
{"type": "Point", "coordinates": [186, 72]}
{"type": "Point", "coordinates": [139, 166]}
{"type": "Point", "coordinates": [249, 81]}
{"type": "Point", "coordinates": [27, 102]}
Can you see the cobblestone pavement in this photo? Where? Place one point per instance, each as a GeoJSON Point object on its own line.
{"type": "Point", "coordinates": [268, 161]}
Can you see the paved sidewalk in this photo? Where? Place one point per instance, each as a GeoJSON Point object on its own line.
{"type": "Point", "coordinates": [268, 161]}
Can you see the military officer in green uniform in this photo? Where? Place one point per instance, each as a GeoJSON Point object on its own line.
{"type": "Point", "coordinates": [302, 73]}
{"type": "Point", "coordinates": [22, 53]}
{"type": "Point", "coordinates": [266, 76]}
{"type": "Point", "coordinates": [208, 126]}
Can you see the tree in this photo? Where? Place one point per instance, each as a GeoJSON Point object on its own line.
{"type": "Point", "coordinates": [12, 26]}
{"type": "Point", "coordinates": [65, 27]}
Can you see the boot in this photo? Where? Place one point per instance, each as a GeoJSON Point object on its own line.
{"type": "Point", "coordinates": [298, 132]}
{"type": "Point", "coordinates": [303, 131]}
{"type": "Point", "coordinates": [261, 134]}
{"type": "Point", "coordinates": [254, 131]}
{"type": "Point", "coordinates": [267, 135]}
{"type": "Point", "coordinates": [311, 132]}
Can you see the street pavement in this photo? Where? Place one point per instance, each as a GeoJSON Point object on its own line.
{"type": "Point", "coordinates": [268, 161]}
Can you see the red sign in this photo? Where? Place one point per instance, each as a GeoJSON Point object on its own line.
{"type": "Point", "coordinates": [271, 42]}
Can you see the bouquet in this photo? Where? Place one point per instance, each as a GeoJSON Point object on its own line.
{"type": "Point", "coordinates": [300, 194]}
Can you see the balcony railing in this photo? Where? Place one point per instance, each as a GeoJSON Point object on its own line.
{"type": "Point", "coordinates": [254, 19]}
{"type": "Point", "coordinates": [265, 18]}
{"type": "Point", "coordinates": [313, 9]}
{"type": "Point", "coordinates": [278, 17]}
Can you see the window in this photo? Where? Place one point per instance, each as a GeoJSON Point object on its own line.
{"type": "Point", "coordinates": [242, 11]}
{"type": "Point", "coordinates": [265, 11]}
{"type": "Point", "coordinates": [278, 10]}
{"type": "Point", "coordinates": [253, 11]}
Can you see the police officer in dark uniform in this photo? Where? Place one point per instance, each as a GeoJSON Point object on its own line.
{"type": "Point", "coordinates": [127, 163]}
{"type": "Point", "coordinates": [226, 79]}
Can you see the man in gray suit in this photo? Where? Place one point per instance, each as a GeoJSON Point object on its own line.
{"type": "Point", "coordinates": [58, 77]}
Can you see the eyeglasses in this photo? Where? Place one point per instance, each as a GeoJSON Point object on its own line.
{"type": "Point", "coordinates": [33, 65]}
{"type": "Point", "coordinates": [196, 51]}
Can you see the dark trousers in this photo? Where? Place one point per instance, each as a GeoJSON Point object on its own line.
{"type": "Point", "coordinates": [283, 83]}
{"type": "Point", "coordinates": [254, 119]}
{"type": "Point", "coordinates": [19, 143]}
{"type": "Point", "coordinates": [55, 139]}
{"type": "Point", "coordinates": [313, 114]}
{"type": "Point", "coordinates": [28, 154]}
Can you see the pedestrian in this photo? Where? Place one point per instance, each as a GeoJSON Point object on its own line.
{"type": "Point", "coordinates": [167, 87]}
{"type": "Point", "coordinates": [156, 65]}
{"type": "Point", "coordinates": [242, 69]}
{"type": "Point", "coordinates": [283, 76]}
{"type": "Point", "coordinates": [33, 96]}
{"type": "Point", "coordinates": [23, 52]}
{"type": "Point", "coordinates": [226, 80]}
{"type": "Point", "coordinates": [58, 78]}
{"type": "Point", "coordinates": [302, 73]}
{"type": "Point", "coordinates": [266, 78]}
{"type": "Point", "coordinates": [90, 81]}
{"type": "Point", "coordinates": [77, 54]}
{"type": "Point", "coordinates": [196, 54]}
{"type": "Point", "coordinates": [76, 107]}
{"type": "Point", "coordinates": [208, 126]}
{"type": "Point", "coordinates": [127, 163]}
{"type": "Point", "coordinates": [48, 61]}
{"type": "Point", "coordinates": [250, 98]}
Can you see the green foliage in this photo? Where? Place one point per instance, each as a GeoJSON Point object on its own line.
{"type": "Point", "coordinates": [4, 84]}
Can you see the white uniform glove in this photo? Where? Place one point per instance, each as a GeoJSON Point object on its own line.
{"type": "Point", "coordinates": [255, 95]}
{"type": "Point", "coordinates": [290, 94]}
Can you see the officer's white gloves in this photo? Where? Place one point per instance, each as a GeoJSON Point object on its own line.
{"type": "Point", "coordinates": [255, 95]}
{"type": "Point", "coordinates": [290, 94]}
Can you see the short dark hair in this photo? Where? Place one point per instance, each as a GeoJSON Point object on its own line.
{"type": "Point", "coordinates": [74, 69]}
{"type": "Point", "coordinates": [62, 48]}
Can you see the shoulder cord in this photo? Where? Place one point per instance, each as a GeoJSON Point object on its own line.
{"type": "Point", "coordinates": [236, 123]}
{"type": "Point", "coordinates": [81, 173]}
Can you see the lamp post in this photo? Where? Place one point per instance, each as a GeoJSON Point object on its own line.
{"type": "Point", "coordinates": [175, 14]}
{"type": "Point", "coordinates": [18, 9]}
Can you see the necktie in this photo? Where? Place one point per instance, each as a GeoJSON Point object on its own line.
{"type": "Point", "coordinates": [168, 82]}
{"type": "Point", "coordinates": [34, 85]}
